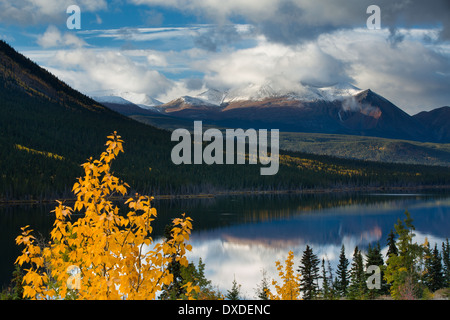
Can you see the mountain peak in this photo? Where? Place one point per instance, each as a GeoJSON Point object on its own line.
{"type": "Point", "coordinates": [141, 100]}
{"type": "Point", "coordinates": [212, 96]}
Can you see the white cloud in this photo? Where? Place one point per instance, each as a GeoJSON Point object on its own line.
{"type": "Point", "coordinates": [30, 12]}
{"type": "Point", "coordinates": [292, 21]}
{"type": "Point", "coordinates": [412, 74]}
{"type": "Point", "coordinates": [143, 34]}
{"type": "Point", "coordinates": [54, 38]}
{"type": "Point", "coordinates": [217, 10]}
{"type": "Point", "coordinates": [90, 70]}
{"type": "Point", "coordinates": [280, 65]}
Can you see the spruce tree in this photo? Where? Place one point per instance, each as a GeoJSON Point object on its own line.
{"type": "Point", "coordinates": [327, 281]}
{"type": "Point", "coordinates": [309, 270]}
{"type": "Point", "coordinates": [375, 258]}
{"type": "Point", "coordinates": [235, 292]}
{"type": "Point", "coordinates": [392, 247]}
{"type": "Point", "coordinates": [358, 286]}
{"type": "Point", "coordinates": [427, 254]}
{"type": "Point", "coordinates": [342, 274]}
{"type": "Point", "coordinates": [437, 277]}
{"type": "Point", "coordinates": [446, 262]}
{"type": "Point", "coordinates": [261, 290]}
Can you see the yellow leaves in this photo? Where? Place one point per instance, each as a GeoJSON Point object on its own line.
{"type": "Point", "coordinates": [290, 287]}
{"type": "Point", "coordinates": [190, 290]}
{"type": "Point", "coordinates": [29, 292]}
{"type": "Point", "coordinates": [22, 259]}
{"type": "Point", "coordinates": [113, 252]}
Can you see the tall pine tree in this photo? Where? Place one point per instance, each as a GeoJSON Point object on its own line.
{"type": "Point", "coordinates": [375, 258]}
{"type": "Point", "coordinates": [358, 285]}
{"type": "Point", "coordinates": [446, 262]}
{"type": "Point", "coordinates": [342, 274]}
{"type": "Point", "coordinates": [309, 270]}
{"type": "Point", "coordinates": [327, 281]}
{"type": "Point", "coordinates": [235, 292]}
{"type": "Point", "coordinates": [263, 287]}
{"type": "Point", "coordinates": [392, 247]}
{"type": "Point", "coordinates": [437, 277]}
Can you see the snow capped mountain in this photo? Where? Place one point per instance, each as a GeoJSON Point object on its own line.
{"type": "Point", "coordinates": [197, 101]}
{"type": "Point", "coordinates": [140, 99]}
{"type": "Point", "coordinates": [212, 96]}
{"type": "Point", "coordinates": [111, 99]}
{"type": "Point", "coordinates": [253, 92]}
{"type": "Point", "coordinates": [338, 91]}
{"type": "Point", "coordinates": [338, 109]}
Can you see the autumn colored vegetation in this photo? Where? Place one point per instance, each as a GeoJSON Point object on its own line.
{"type": "Point", "coordinates": [114, 255]}
{"type": "Point", "coordinates": [108, 254]}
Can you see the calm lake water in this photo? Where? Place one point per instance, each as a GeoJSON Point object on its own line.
{"type": "Point", "coordinates": [238, 236]}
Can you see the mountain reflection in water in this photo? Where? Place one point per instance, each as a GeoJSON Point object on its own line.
{"type": "Point", "coordinates": [238, 236]}
{"type": "Point", "coordinates": [243, 250]}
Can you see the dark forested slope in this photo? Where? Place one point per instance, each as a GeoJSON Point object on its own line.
{"type": "Point", "coordinates": [47, 129]}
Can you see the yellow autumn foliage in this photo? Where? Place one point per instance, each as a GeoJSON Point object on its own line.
{"type": "Point", "coordinates": [289, 289]}
{"type": "Point", "coordinates": [103, 254]}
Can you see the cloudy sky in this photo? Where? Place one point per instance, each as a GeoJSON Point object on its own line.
{"type": "Point", "coordinates": [169, 48]}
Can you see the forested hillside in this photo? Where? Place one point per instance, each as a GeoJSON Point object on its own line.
{"type": "Point", "coordinates": [47, 130]}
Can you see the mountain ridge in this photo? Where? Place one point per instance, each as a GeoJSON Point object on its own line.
{"type": "Point", "coordinates": [363, 113]}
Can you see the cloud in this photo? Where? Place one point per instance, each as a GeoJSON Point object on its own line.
{"type": "Point", "coordinates": [295, 21]}
{"type": "Point", "coordinates": [32, 12]}
{"type": "Point", "coordinates": [217, 11]}
{"type": "Point", "coordinates": [284, 67]}
{"type": "Point", "coordinates": [91, 70]}
{"type": "Point", "coordinates": [413, 74]}
{"type": "Point", "coordinates": [214, 37]}
{"type": "Point", "coordinates": [144, 34]}
{"type": "Point", "coordinates": [54, 38]}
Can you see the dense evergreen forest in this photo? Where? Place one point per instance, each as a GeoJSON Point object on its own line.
{"type": "Point", "coordinates": [47, 130]}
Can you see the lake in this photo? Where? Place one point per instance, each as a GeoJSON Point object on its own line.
{"type": "Point", "coordinates": [239, 236]}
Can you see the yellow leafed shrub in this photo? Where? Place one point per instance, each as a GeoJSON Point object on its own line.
{"type": "Point", "coordinates": [103, 254]}
{"type": "Point", "coordinates": [289, 289]}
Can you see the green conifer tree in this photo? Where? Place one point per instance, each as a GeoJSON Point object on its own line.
{"type": "Point", "coordinates": [261, 290]}
{"type": "Point", "coordinates": [235, 292]}
{"type": "Point", "coordinates": [392, 247]}
{"type": "Point", "coordinates": [342, 274]}
{"type": "Point", "coordinates": [375, 258]}
{"type": "Point", "coordinates": [437, 277]}
{"type": "Point", "coordinates": [309, 270]}
{"type": "Point", "coordinates": [358, 286]}
{"type": "Point", "coordinates": [327, 281]}
{"type": "Point", "coordinates": [446, 262]}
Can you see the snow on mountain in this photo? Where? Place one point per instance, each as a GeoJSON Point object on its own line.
{"type": "Point", "coordinates": [212, 96]}
{"type": "Point", "coordinates": [255, 92]}
{"type": "Point", "coordinates": [251, 92]}
{"type": "Point", "coordinates": [197, 101]}
{"type": "Point", "coordinates": [140, 99]}
{"type": "Point", "coordinates": [335, 92]}
{"type": "Point", "coordinates": [111, 99]}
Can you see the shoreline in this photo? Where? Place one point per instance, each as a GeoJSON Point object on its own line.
{"type": "Point", "coordinates": [247, 193]}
